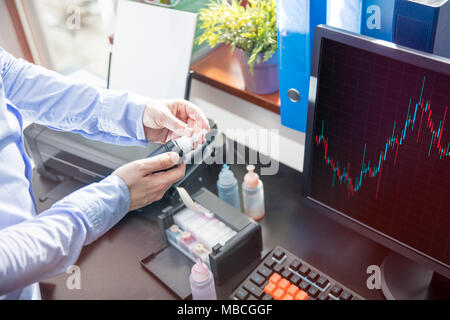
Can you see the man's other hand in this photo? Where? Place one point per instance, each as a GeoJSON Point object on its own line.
{"type": "Point", "coordinates": [145, 183]}
{"type": "Point", "coordinates": [166, 120]}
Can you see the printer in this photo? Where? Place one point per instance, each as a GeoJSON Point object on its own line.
{"type": "Point", "coordinates": [75, 161]}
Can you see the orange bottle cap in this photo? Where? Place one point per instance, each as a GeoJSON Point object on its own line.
{"type": "Point", "coordinates": [251, 179]}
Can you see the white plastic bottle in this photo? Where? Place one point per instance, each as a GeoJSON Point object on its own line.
{"type": "Point", "coordinates": [253, 194]}
{"type": "Point", "coordinates": [202, 282]}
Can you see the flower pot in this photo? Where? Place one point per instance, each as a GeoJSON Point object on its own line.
{"type": "Point", "coordinates": [265, 74]}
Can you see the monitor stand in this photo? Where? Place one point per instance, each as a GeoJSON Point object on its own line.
{"type": "Point", "coordinates": [403, 279]}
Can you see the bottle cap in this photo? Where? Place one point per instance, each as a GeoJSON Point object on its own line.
{"type": "Point", "coordinates": [200, 271]}
{"type": "Point", "coordinates": [200, 248]}
{"type": "Point", "coordinates": [226, 176]}
{"type": "Point", "coordinates": [174, 228]}
{"type": "Point", "coordinates": [187, 143]}
{"type": "Point", "coordinates": [186, 235]}
{"type": "Point", "coordinates": [251, 179]}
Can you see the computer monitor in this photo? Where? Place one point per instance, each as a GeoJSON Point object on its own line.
{"type": "Point", "coordinates": [377, 154]}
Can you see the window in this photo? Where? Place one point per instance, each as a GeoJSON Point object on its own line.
{"type": "Point", "coordinates": [71, 35]}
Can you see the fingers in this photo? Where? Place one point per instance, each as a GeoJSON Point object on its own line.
{"type": "Point", "coordinates": [198, 121]}
{"type": "Point", "coordinates": [197, 115]}
{"type": "Point", "coordinates": [144, 185]}
{"type": "Point", "coordinates": [179, 117]}
{"type": "Point", "coordinates": [177, 126]}
{"type": "Point", "coordinates": [160, 162]}
{"type": "Point", "coordinates": [157, 184]}
{"type": "Point", "coordinates": [171, 176]}
{"type": "Point", "coordinates": [153, 187]}
{"type": "Point", "coordinates": [199, 136]}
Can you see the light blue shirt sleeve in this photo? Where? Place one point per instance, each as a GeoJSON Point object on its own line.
{"type": "Point", "coordinates": [47, 245]}
{"type": "Point", "coordinates": [50, 99]}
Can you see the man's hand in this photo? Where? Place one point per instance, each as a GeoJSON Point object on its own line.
{"type": "Point", "coordinates": [166, 120]}
{"type": "Point", "coordinates": [144, 184]}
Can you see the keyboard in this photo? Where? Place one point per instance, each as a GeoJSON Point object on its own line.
{"type": "Point", "coordinates": [284, 276]}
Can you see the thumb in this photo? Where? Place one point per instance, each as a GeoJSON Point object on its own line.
{"type": "Point", "coordinates": [177, 126]}
{"type": "Point", "coordinates": [160, 162]}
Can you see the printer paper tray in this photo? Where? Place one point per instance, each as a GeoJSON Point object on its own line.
{"type": "Point", "coordinates": [172, 268]}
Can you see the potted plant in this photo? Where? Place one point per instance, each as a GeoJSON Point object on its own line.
{"type": "Point", "coordinates": [252, 31]}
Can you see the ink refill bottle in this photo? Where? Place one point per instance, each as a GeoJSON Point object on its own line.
{"type": "Point", "coordinates": [182, 146]}
{"type": "Point", "coordinates": [202, 282]}
{"type": "Point", "coordinates": [227, 187]}
{"type": "Point", "coordinates": [253, 194]}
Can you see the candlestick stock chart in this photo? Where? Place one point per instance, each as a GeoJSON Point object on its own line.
{"type": "Point", "coordinates": [381, 146]}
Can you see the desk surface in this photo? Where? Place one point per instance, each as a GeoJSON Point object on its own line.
{"type": "Point", "coordinates": [110, 266]}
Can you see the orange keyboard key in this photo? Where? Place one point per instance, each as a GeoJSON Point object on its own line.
{"type": "Point", "coordinates": [288, 297]}
{"type": "Point", "coordinates": [278, 294]}
{"type": "Point", "coordinates": [270, 288]}
{"type": "Point", "coordinates": [302, 295]}
{"type": "Point", "coordinates": [275, 278]}
{"type": "Point", "coordinates": [292, 290]}
{"type": "Point", "coordinates": [284, 284]}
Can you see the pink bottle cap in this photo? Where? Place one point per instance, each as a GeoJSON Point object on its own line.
{"type": "Point", "coordinates": [186, 236]}
{"type": "Point", "coordinates": [200, 271]}
{"type": "Point", "coordinates": [251, 179]}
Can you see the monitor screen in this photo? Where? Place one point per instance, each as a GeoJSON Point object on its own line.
{"type": "Point", "coordinates": [381, 146]}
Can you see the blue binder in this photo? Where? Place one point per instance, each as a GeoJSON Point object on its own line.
{"type": "Point", "coordinates": [376, 18]}
{"type": "Point", "coordinates": [296, 22]}
{"type": "Point", "coordinates": [369, 17]}
{"type": "Point", "coordinates": [423, 25]}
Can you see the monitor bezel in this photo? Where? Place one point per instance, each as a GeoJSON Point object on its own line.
{"type": "Point", "coordinates": [388, 49]}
